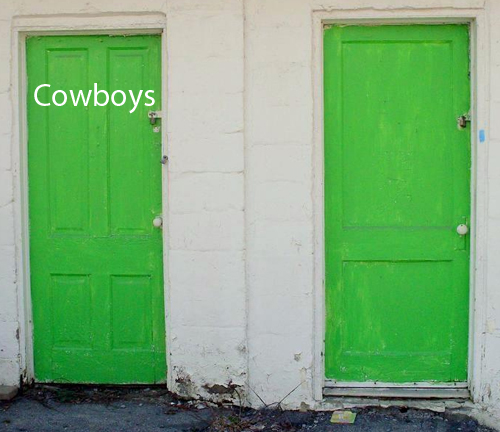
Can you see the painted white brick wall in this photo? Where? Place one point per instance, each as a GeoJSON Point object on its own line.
{"type": "Point", "coordinates": [9, 344]}
{"type": "Point", "coordinates": [491, 369]}
{"type": "Point", "coordinates": [279, 199]}
{"type": "Point", "coordinates": [206, 195]}
{"type": "Point", "coordinates": [240, 222]}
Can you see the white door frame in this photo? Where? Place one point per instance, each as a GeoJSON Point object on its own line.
{"type": "Point", "coordinates": [151, 23]}
{"type": "Point", "coordinates": [480, 116]}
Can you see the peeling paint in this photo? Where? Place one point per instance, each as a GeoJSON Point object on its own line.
{"type": "Point", "coordinates": [222, 390]}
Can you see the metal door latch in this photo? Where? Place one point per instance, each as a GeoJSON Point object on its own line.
{"type": "Point", "coordinates": [153, 115]}
{"type": "Point", "coordinates": [463, 120]}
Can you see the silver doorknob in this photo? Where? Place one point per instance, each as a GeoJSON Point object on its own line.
{"type": "Point", "coordinates": [462, 229]}
{"type": "Point", "coordinates": [158, 222]}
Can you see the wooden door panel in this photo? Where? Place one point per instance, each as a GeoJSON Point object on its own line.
{"type": "Point", "coordinates": [94, 189]}
{"type": "Point", "coordinates": [397, 180]}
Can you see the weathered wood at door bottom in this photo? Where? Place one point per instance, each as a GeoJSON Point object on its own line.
{"type": "Point", "coordinates": [398, 392]}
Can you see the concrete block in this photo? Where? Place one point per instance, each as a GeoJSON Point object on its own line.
{"type": "Point", "coordinates": [281, 201]}
{"type": "Point", "coordinates": [278, 45]}
{"type": "Point", "coordinates": [211, 293]}
{"type": "Point", "coordinates": [5, 47]}
{"type": "Point", "coordinates": [275, 238]}
{"type": "Point", "coordinates": [280, 275]}
{"type": "Point", "coordinates": [8, 296]}
{"type": "Point", "coordinates": [494, 49]}
{"type": "Point", "coordinates": [209, 310]}
{"type": "Point", "coordinates": [205, 33]}
{"type": "Point", "coordinates": [264, 318]}
{"type": "Point", "coordinates": [7, 265]}
{"type": "Point", "coordinates": [7, 392]}
{"type": "Point", "coordinates": [204, 355]}
{"type": "Point", "coordinates": [219, 270]}
{"type": "Point", "coordinates": [196, 192]}
{"type": "Point", "coordinates": [493, 180]}
{"type": "Point", "coordinates": [9, 372]}
{"type": "Point", "coordinates": [494, 132]}
{"type": "Point", "coordinates": [9, 342]}
{"type": "Point", "coordinates": [5, 153]}
{"type": "Point", "coordinates": [290, 84]}
{"type": "Point", "coordinates": [270, 124]}
{"type": "Point", "coordinates": [203, 5]}
{"type": "Point", "coordinates": [280, 162]}
{"type": "Point", "coordinates": [8, 287]}
{"type": "Point", "coordinates": [6, 191]}
{"type": "Point", "coordinates": [198, 115]}
{"type": "Point", "coordinates": [26, 7]}
{"type": "Point", "coordinates": [5, 112]}
{"type": "Point", "coordinates": [277, 14]}
{"type": "Point", "coordinates": [396, 4]}
{"type": "Point", "coordinates": [495, 86]}
{"type": "Point", "coordinates": [7, 225]}
{"type": "Point", "coordinates": [293, 355]}
{"type": "Point", "coordinates": [212, 153]}
{"type": "Point", "coordinates": [207, 231]}
{"type": "Point", "coordinates": [219, 75]}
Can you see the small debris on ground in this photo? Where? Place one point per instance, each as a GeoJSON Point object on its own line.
{"type": "Point", "coordinates": [343, 417]}
{"type": "Point", "coordinates": [154, 409]}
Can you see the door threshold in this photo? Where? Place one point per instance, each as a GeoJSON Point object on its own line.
{"type": "Point", "coordinates": [407, 392]}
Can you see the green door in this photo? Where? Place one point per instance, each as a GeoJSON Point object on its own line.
{"type": "Point", "coordinates": [397, 185]}
{"type": "Point", "coordinates": [94, 189]}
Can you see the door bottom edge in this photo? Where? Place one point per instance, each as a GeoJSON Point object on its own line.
{"type": "Point", "coordinates": [382, 384]}
{"type": "Point", "coordinates": [413, 392]}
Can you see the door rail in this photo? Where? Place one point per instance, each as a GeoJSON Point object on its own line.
{"type": "Point", "coordinates": [423, 390]}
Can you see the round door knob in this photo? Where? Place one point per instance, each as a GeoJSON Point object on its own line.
{"type": "Point", "coordinates": [157, 222]}
{"type": "Point", "coordinates": [462, 229]}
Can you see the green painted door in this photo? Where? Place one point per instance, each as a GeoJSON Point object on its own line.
{"type": "Point", "coordinates": [397, 185]}
{"type": "Point", "coordinates": [94, 189]}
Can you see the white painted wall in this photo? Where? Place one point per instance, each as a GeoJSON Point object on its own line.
{"type": "Point", "coordinates": [243, 302]}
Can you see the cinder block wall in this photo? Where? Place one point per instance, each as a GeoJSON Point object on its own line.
{"type": "Point", "coordinates": [240, 223]}
{"type": "Point", "coordinates": [279, 207]}
{"type": "Point", "coordinates": [9, 311]}
{"type": "Point", "coordinates": [207, 325]}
